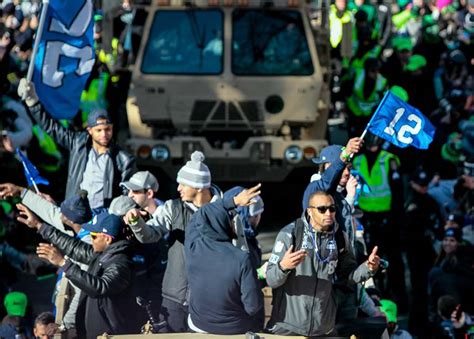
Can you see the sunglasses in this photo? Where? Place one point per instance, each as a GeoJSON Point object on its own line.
{"type": "Point", "coordinates": [94, 235]}
{"type": "Point", "coordinates": [324, 209]}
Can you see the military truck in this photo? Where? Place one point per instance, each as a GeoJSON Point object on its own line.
{"type": "Point", "coordinates": [243, 81]}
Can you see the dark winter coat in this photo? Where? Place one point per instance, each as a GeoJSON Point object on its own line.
{"type": "Point", "coordinates": [79, 145]}
{"type": "Point", "coordinates": [225, 293]}
{"type": "Point", "coordinates": [107, 298]}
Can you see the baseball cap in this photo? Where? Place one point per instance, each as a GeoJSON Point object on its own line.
{"type": "Point", "coordinates": [110, 224]}
{"type": "Point", "coordinates": [469, 167]}
{"type": "Point", "coordinates": [121, 205]}
{"type": "Point", "coordinates": [98, 114]}
{"type": "Point", "coordinates": [421, 177]}
{"type": "Point", "coordinates": [415, 62]}
{"type": "Point", "coordinates": [453, 232]}
{"type": "Point", "coordinates": [402, 43]}
{"type": "Point", "coordinates": [142, 180]}
{"type": "Point", "coordinates": [400, 92]}
{"type": "Point", "coordinates": [328, 154]}
{"type": "Point", "coordinates": [456, 218]}
{"type": "Point", "coordinates": [390, 309]}
{"type": "Point", "coordinates": [15, 304]}
{"type": "Point", "coordinates": [77, 208]}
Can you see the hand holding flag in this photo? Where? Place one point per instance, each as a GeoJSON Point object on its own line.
{"type": "Point", "coordinates": [401, 124]}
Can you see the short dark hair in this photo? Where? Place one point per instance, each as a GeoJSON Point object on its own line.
{"type": "Point", "coordinates": [317, 193]}
{"type": "Point", "coordinates": [45, 318]}
{"type": "Point", "coordinates": [446, 305]}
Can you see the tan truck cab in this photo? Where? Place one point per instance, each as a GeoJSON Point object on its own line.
{"type": "Point", "coordinates": [239, 80]}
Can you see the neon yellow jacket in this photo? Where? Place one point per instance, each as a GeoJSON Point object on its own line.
{"type": "Point", "coordinates": [379, 199]}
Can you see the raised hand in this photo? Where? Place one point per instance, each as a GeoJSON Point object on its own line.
{"type": "Point", "coordinates": [8, 144]}
{"type": "Point", "coordinates": [374, 260]}
{"type": "Point", "coordinates": [132, 216]}
{"type": "Point", "coordinates": [27, 92]}
{"type": "Point", "coordinates": [458, 317]}
{"type": "Point", "coordinates": [351, 186]}
{"type": "Point", "coordinates": [9, 190]}
{"type": "Point", "coordinates": [27, 217]}
{"type": "Point", "coordinates": [353, 146]}
{"type": "Point", "coordinates": [245, 198]}
{"type": "Point", "coordinates": [292, 259]}
{"type": "Point", "coordinates": [50, 253]}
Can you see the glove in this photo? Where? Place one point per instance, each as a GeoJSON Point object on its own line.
{"type": "Point", "coordinates": [27, 92]}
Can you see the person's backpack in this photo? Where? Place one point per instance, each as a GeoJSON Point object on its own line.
{"type": "Point", "coordinates": [298, 232]}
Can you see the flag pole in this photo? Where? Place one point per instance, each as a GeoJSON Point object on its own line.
{"type": "Point", "coordinates": [27, 171]}
{"type": "Point", "coordinates": [39, 33]}
{"type": "Point", "coordinates": [31, 178]}
{"type": "Point", "coordinates": [372, 118]}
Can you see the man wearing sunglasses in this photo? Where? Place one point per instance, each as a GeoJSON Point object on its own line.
{"type": "Point", "coordinates": [335, 178]}
{"type": "Point", "coordinates": [302, 280]}
{"type": "Point", "coordinates": [106, 286]}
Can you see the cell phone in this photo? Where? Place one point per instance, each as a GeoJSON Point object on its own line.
{"type": "Point", "coordinates": [458, 312]}
{"type": "Point", "coordinates": [4, 133]}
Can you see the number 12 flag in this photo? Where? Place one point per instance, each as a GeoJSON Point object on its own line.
{"type": "Point", "coordinates": [65, 56]}
{"type": "Point", "coordinates": [401, 124]}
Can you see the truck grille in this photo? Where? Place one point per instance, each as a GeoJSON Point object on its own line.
{"type": "Point", "coordinates": [239, 115]}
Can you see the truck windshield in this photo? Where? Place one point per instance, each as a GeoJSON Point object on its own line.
{"type": "Point", "coordinates": [185, 42]}
{"type": "Point", "coordinates": [269, 42]}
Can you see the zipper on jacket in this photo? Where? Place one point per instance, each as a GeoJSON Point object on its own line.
{"type": "Point", "coordinates": [315, 290]}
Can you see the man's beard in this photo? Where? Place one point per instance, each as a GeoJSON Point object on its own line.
{"type": "Point", "coordinates": [102, 144]}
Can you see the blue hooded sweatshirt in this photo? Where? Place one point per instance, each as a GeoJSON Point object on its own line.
{"type": "Point", "coordinates": [225, 294]}
{"type": "Point", "coordinates": [250, 232]}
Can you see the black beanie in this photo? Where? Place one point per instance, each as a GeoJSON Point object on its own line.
{"type": "Point", "coordinates": [77, 208]}
{"type": "Point", "coordinates": [453, 232]}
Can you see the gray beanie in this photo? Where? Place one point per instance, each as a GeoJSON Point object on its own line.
{"type": "Point", "coordinates": [195, 173]}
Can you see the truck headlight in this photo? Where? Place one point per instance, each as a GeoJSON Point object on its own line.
{"type": "Point", "coordinates": [144, 151]}
{"type": "Point", "coordinates": [293, 154]}
{"type": "Point", "coordinates": [160, 153]}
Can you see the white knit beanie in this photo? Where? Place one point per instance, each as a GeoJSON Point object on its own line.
{"type": "Point", "coordinates": [195, 173]}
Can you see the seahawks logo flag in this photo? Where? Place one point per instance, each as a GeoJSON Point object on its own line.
{"type": "Point", "coordinates": [65, 55]}
{"type": "Point", "coordinates": [401, 124]}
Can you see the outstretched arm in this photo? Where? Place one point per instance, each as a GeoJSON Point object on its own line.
{"type": "Point", "coordinates": [331, 176]}
{"type": "Point", "coordinates": [62, 135]}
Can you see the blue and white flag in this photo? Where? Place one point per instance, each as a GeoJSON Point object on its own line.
{"type": "Point", "coordinates": [65, 56]}
{"type": "Point", "coordinates": [32, 174]}
{"type": "Point", "coordinates": [401, 124]}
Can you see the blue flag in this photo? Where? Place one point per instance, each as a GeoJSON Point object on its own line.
{"type": "Point", "coordinates": [65, 56]}
{"type": "Point", "coordinates": [31, 173]}
{"type": "Point", "coordinates": [401, 124]}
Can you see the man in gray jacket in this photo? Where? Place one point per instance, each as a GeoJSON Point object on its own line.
{"type": "Point", "coordinates": [169, 221]}
{"type": "Point", "coordinates": [302, 280]}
